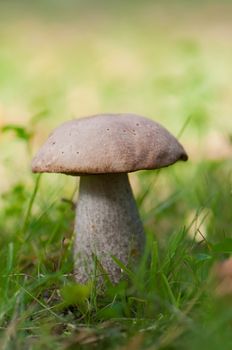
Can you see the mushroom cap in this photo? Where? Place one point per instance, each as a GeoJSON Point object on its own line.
{"type": "Point", "coordinates": [108, 143]}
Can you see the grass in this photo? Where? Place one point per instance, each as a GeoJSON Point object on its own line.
{"type": "Point", "coordinates": [53, 68]}
{"type": "Point", "coordinates": [167, 303]}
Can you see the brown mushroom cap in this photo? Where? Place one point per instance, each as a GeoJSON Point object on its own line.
{"type": "Point", "coordinates": [108, 143]}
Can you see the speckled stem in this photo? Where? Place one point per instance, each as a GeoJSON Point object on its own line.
{"type": "Point", "coordinates": [107, 223]}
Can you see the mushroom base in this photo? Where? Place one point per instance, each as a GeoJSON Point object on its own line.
{"type": "Point", "coordinates": [107, 225]}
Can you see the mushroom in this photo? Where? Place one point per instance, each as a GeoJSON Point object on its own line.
{"type": "Point", "coordinates": [102, 149]}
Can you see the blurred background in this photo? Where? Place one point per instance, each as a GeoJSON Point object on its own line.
{"type": "Point", "coordinates": [167, 60]}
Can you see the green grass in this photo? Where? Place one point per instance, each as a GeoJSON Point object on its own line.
{"type": "Point", "coordinates": [163, 60]}
{"type": "Point", "coordinates": [167, 303]}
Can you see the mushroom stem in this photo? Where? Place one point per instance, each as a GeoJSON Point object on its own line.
{"type": "Point", "coordinates": [107, 224]}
